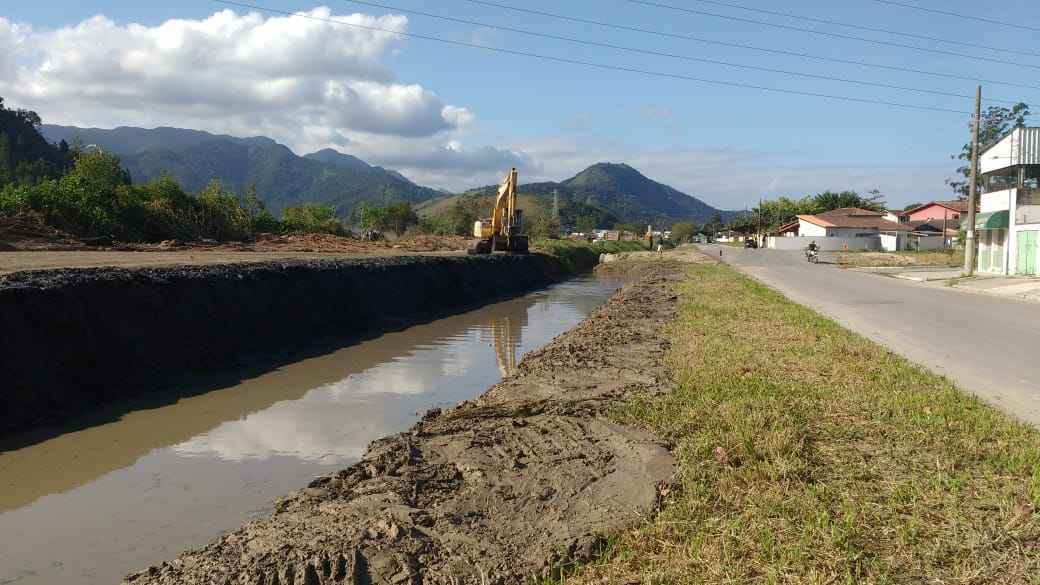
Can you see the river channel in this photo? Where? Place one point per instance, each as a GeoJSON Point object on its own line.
{"type": "Point", "coordinates": [92, 504]}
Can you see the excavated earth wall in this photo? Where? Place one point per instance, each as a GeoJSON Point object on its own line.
{"type": "Point", "coordinates": [529, 475]}
{"type": "Point", "coordinates": [75, 338]}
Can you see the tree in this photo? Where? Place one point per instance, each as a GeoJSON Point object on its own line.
{"type": "Point", "coordinates": [745, 223]}
{"type": "Point", "coordinates": [829, 200]}
{"type": "Point", "coordinates": [683, 231]}
{"type": "Point", "coordinates": [544, 227]}
{"type": "Point", "coordinates": [400, 216]}
{"type": "Point", "coordinates": [25, 155]}
{"type": "Point", "coordinates": [396, 217]}
{"type": "Point", "coordinates": [311, 218]}
{"type": "Point", "coordinates": [586, 224]}
{"type": "Point", "coordinates": [995, 123]}
{"type": "Point", "coordinates": [714, 224]}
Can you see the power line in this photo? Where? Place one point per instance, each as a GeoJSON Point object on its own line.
{"type": "Point", "coordinates": [833, 34]}
{"type": "Point", "coordinates": [604, 66]}
{"type": "Point", "coordinates": [666, 54]}
{"type": "Point", "coordinates": [749, 47]}
{"type": "Point", "coordinates": [867, 28]}
{"type": "Point", "coordinates": [958, 15]}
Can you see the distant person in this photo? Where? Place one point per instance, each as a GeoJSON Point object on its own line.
{"type": "Point", "coordinates": [813, 247]}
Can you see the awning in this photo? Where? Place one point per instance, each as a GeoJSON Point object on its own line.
{"type": "Point", "coordinates": [991, 220]}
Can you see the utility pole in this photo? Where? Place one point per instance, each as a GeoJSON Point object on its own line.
{"type": "Point", "coordinates": [761, 235]}
{"type": "Point", "coordinates": [973, 191]}
{"type": "Point", "coordinates": [556, 204]}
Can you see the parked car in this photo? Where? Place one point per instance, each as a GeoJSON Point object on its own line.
{"type": "Point", "coordinates": [750, 243]}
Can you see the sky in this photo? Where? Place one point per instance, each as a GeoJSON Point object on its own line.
{"type": "Point", "coordinates": [454, 116]}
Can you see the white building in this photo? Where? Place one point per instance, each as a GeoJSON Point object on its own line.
{"type": "Point", "coordinates": [848, 228]}
{"type": "Point", "coordinates": [1008, 221]}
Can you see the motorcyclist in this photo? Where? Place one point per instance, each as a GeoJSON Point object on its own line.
{"type": "Point", "coordinates": [813, 247]}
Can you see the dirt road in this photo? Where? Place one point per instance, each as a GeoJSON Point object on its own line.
{"type": "Point", "coordinates": [494, 491]}
{"type": "Point", "coordinates": [42, 260]}
{"type": "Point", "coordinates": [28, 245]}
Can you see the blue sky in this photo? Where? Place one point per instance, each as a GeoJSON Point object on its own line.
{"type": "Point", "coordinates": [726, 145]}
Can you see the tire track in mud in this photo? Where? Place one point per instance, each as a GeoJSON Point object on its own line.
{"type": "Point", "coordinates": [493, 491]}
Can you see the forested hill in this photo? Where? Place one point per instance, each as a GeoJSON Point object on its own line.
{"type": "Point", "coordinates": [607, 193]}
{"type": "Point", "coordinates": [282, 178]}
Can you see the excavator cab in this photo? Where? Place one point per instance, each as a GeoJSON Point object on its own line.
{"type": "Point", "coordinates": [503, 231]}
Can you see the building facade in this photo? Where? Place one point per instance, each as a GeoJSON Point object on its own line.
{"type": "Point", "coordinates": [1008, 222]}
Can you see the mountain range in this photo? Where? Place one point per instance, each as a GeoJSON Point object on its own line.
{"type": "Point", "coordinates": [282, 178]}
{"type": "Point", "coordinates": [611, 192]}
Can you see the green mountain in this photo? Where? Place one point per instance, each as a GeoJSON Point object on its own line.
{"type": "Point", "coordinates": [608, 192]}
{"type": "Point", "coordinates": [25, 155]}
{"type": "Point", "coordinates": [282, 178]}
{"type": "Point", "coordinates": [626, 193]}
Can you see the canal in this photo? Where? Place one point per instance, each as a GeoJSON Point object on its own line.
{"type": "Point", "coordinates": [98, 501]}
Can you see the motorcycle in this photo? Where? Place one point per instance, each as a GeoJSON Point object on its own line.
{"type": "Point", "coordinates": [812, 256]}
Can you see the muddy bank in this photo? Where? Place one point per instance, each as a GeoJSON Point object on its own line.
{"type": "Point", "coordinates": [75, 338]}
{"type": "Point", "coordinates": [494, 491]}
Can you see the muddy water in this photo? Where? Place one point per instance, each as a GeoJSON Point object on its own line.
{"type": "Point", "coordinates": [90, 505]}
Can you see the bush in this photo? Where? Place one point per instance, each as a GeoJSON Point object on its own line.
{"type": "Point", "coordinates": [311, 218]}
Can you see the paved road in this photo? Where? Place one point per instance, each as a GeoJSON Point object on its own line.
{"type": "Point", "coordinates": [988, 345]}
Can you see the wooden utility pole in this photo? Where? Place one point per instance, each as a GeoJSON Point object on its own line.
{"type": "Point", "coordinates": [973, 191]}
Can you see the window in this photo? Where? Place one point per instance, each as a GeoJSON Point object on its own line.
{"type": "Point", "coordinates": [1031, 177]}
{"type": "Point", "coordinates": [1027, 206]}
{"type": "Point", "coordinates": [1000, 180]}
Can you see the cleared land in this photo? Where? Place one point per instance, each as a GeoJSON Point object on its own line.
{"type": "Point", "coordinates": [808, 454]}
{"type": "Point", "coordinates": [951, 258]}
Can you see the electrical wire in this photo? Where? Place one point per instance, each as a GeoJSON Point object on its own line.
{"type": "Point", "coordinates": [748, 47]}
{"type": "Point", "coordinates": [833, 34]}
{"type": "Point", "coordinates": [603, 66]}
{"type": "Point", "coordinates": [666, 54]}
{"type": "Point", "coordinates": [866, 28]}
{"type": "Point", "coordinates": [958, 15]}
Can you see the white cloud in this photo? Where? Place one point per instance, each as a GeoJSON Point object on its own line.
{"type": "Point", "coordinates": [230, 72]}
{"type": "Point", "coordinates": [311, 84]}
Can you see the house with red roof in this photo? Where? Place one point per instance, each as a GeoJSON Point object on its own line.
{"type": "Point", "coordinates": [848, 228]}
{"type": "Point", "coordinates": [949, 211]}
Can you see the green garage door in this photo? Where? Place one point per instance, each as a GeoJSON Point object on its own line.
{"type": "Point", "coordinates": [1026, 253]}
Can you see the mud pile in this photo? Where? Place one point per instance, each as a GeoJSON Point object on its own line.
{"type": "Point", "coordinates": [75, 338]}
{"type": "Point", "coordinates": [530, 474]}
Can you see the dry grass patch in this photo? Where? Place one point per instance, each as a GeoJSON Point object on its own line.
{"type": "Point", "coordinates": [808, 454]}
{"type": "Point", "coordinates": [951, 258]}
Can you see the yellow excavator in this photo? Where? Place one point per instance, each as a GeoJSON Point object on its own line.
{"type": "Point", "coordinates": [503, 231]}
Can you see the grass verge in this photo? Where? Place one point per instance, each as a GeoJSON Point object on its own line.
{"type": "Point", "coordinates": [951, 258]}
{"type": "Point", "coordinates": [578, 256]}
{"type": "Point", "coordinates": [808, 454]}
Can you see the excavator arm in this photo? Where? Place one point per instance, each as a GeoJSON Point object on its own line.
{"type": "Point", "coordinates": [503, 230]}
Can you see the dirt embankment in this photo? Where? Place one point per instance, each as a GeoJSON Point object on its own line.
{"type": "Point", "coordinates": [74, 338]}
{"type": "Point", "coordinates": [530, 474]}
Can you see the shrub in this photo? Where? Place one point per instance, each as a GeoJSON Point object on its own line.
{"type": "Point", "coordinates": [311, 218]}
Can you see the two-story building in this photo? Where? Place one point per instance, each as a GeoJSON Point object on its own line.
{"type": "Point", "coordinates": [938, 210]}
{"type": "Point", "coordinates": [1008, 221]}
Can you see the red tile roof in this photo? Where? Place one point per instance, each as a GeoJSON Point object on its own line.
{"type": "Point", "coordinates": [955, 206]}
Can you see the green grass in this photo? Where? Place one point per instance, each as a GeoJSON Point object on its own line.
{"type": "Point", "coordinates": [579, 256]}
{"type": "Point", "coordinates": [808, 454]}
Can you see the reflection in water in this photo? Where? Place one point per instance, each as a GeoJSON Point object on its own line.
{"type": "Point", "coordinates": [90, 505]}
